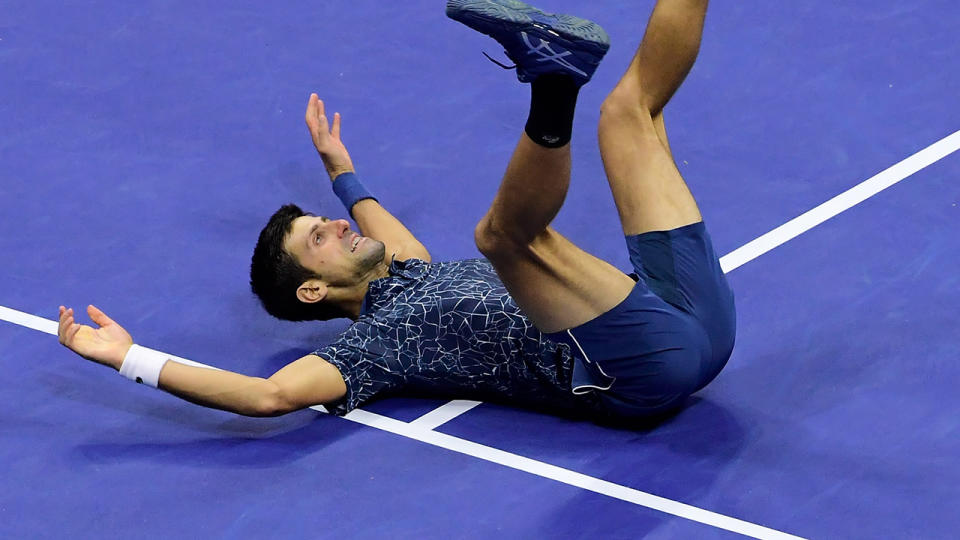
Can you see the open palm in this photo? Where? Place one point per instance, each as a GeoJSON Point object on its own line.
{"type": "Point", "coordinates": [326, 138]}
{"type": "Point", "coordinates": [106, 345]}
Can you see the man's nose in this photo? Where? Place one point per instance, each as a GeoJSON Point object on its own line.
{"type": "Point", "coordinates": [341, 226]}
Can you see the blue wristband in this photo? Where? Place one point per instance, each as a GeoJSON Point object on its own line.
{"type": "Point", "coordinates": [350, 191]}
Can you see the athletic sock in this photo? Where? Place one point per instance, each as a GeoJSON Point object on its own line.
{"type": "Point", "coordinates": [553, 99]}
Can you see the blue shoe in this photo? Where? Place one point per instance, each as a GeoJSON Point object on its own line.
{"type": "Point", "coordinates": [536, 41]}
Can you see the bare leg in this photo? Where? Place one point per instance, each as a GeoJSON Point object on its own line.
{"type": "Point", "coordinates": [648, 189]}
{"type": "Point", "coordinates": [669, 48]}
{"type": "Point", "coordinates": [532, 190]}
{"type": "Point", "coordinates": [557, 284]}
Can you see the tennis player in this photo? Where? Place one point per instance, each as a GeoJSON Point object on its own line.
{"type": "Point", "coordinates": [537, 322]}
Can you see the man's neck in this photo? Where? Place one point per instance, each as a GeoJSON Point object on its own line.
{"type": "Point", "coordinates": [353, 299]}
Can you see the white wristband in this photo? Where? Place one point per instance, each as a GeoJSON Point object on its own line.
{"type": "Point", "coordinates": [143, 365]}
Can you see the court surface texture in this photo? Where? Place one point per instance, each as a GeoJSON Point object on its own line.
{"type": "Point", "coordinates": [144, 144]}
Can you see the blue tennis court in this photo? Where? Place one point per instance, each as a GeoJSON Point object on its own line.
{"type": "Point", "coordinates": [145, 144]}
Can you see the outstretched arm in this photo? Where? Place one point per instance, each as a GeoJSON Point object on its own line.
{"type": "Point", "coordinates": [308, 381]}
{"type": "Point", "coordinates": [372, 218]}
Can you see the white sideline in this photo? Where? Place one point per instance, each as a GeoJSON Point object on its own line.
{"type": "Point", "coordinates": [422, 429]}
{"type": "Point", "coordinates": [846, 200]}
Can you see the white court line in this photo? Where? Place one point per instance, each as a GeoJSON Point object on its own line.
{"type": "Point", "coordinates": [444, 413]}
{"type": "Point", "coordinates": [28, 320]}
{"type": "Point", "coordinates": [810, 219]}
{"type": "Point", "coordinates": [565, 476]}
{"type": "Point", "coordinates": [424, 433]}
{"type": "Point", "coordinates": [50, 327]}
{"type": "Point", "coordinates": [846, 200]}
{"type": "Point", "coordinates": [422, 430]}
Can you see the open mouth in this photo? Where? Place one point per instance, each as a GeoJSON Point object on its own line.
{"type": "Point", "coordinates": [356, 241]}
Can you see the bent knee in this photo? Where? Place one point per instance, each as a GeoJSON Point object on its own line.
{"type": "Point", "coordinates": [495, 241]}
{"type": "Point", "coordinates": [484, 236]}
{"type": "Point", "coordinates": [625, 102]}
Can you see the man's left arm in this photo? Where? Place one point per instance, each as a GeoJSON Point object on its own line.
{"type": "Point", "coordinates": [373, 219]}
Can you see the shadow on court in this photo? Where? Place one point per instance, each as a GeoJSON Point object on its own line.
{"type": "Point", "coordinates": [244, 450]}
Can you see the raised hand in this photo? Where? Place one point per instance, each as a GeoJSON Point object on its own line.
{"type": "Point", "coordinates": [107, 345]}
{"type": "Point", "coordinates": [335, 157]}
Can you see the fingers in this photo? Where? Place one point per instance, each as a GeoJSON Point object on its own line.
{"type": "Point", "coordinates": [319, 124]}
{"type": "Point", "coordinates": [65, 313]}
{"type": "Point", "coordinates": [67, 327]}
{"type": "Point", "coordinates": [313, 112]}
{"type": "Point", "coordinates": [62, 326]}
{"type": "Point", "coordinates": [98, 316]}
{"type": "Point", "coordinates": [316, 116]}
{"type": "Point", "coordinates": [71, 332]}
{"type": "Point", "coordinates": [322, 117]}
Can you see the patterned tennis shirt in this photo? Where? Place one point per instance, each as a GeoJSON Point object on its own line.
{"type": "Point", "coordinates": [449, 329]}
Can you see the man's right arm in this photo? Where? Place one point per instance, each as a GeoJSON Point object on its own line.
{"type": "Point", "coordinates": [306, 382]}
{"type": "Point", "coordinates": [309, 381]}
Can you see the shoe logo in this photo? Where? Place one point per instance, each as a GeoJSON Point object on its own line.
{"type": "Point", "coordinates": [547, 54]}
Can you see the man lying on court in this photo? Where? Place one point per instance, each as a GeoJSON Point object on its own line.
{"type": "Point", "coordinates": [538, 322]}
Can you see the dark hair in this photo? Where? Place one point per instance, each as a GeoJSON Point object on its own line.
{"type": "Point", "coordinates": [275, 274]}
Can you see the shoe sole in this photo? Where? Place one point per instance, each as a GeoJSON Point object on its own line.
{"type": "Point", "coordinates": [489, 16]}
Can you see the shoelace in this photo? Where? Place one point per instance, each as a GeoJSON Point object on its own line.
{"type": "Point", "coordinates": [504, 66]}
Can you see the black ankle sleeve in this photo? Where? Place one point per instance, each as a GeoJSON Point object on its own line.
{"type": "Point", "coordinates": [553, 99]}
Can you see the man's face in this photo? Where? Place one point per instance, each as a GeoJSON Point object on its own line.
{"type": "Point", "coordinates": [329, 248]}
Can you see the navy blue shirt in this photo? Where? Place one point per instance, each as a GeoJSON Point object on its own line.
{"type": "Point", "coordinates": [449, 329]}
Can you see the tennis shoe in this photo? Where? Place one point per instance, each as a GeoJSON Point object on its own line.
{"type": "Point", "coordinates": [536, 41]}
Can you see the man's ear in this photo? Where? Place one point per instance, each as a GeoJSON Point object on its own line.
{"type": "Point", "coordinates": [312, 291]}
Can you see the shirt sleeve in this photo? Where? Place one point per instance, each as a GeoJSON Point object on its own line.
{"type": "Point", "coordinates": [366, 356]}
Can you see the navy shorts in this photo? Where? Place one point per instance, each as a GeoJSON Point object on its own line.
{"type": "Point", "coordinates": [669, 338]}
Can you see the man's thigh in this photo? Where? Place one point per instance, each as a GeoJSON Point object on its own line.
{"type": "Point", "coordinates": [647, 187]}
{"type": "Point", "coordinates": [557, 284]}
